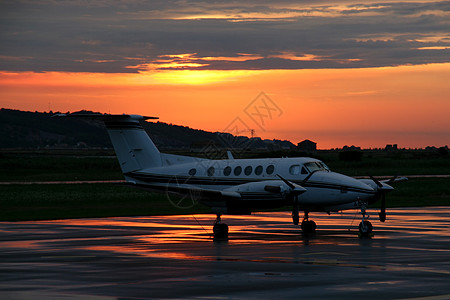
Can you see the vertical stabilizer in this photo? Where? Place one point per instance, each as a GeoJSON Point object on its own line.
{"type": "Point", "coordinates": [134, 148]}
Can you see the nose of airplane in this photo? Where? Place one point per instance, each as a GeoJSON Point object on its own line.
{"type": "Point", "coordinates": [386, 187]}
{"type": "Point", "coordinates": [345, 181]}
{"type": "Point", "coordinates": [377, 185]}
{"type": "Point", "coordinates": [355, 183]}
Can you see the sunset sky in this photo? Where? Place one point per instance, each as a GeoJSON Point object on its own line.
{"type": "Point", "coordinates": [362, 73]}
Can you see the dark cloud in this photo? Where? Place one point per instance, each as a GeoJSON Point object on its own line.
{"type": "Point", "coordinates": [111, 36]}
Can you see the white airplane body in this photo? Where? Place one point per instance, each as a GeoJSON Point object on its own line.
{"type": "Point", "coordinates": [326, 189]}
{"type": "Point", "coordinates": [239, 186]}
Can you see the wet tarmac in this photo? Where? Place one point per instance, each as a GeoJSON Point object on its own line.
{"type": "Point", "coordinates": [265, 257]}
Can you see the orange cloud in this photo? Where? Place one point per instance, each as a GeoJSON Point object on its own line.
{"type": "Point", "coordinates": [190, 61]}
{"type": "Point", "coordinates": [407, 105]}
{"type": "Point", "coordinates": [293, 56]}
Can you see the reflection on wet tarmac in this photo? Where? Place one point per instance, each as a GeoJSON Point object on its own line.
{"type": "Point", "coordinates": [413, 245]}
{"type": "Point", "coordinates": [261, 228]}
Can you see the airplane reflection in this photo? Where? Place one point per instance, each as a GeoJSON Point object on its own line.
{"type": "Point", "coordinates": [150, 236]}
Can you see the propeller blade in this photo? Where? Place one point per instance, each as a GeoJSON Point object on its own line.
{"type": "Point", "coordinates": [296, 189]}
{"type": "Point", "coordinates": [378, 183]}
{"type": "Point", "coordinates": [288, 183]}
{"type": "Point", "coordinates": [382, 213]}
{"type": "Point", "coordinates": [295, 213]}
{"type": "Point", "coordinates": [392, 180]}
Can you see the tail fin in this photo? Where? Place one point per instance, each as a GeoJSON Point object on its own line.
{"type": "Point", "coordinates": [134, 148]}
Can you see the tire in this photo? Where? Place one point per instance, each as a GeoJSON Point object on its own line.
{"type": "Point", "coordinates": [220, 230]}
{"type": "Point", "coordinates": [365, 228]}
{"type": "Point", "coordinates": [308, 226]}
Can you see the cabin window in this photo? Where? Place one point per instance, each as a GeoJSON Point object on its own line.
{"type": "Point", "coordinates": [210, 171]}
{"type": "Point", "coordinates": [227, 171]}
{"type": "Point", "coordinates": [294, 170]}
{"type": "Point", "coordinates": [248, 170]}
{"type": "Point", "coordinates": [270, 169]}
{"type": "Point", "coordinates": [258, 170]}
{"type": "Point", "coordinates": [237, 171]}
{"type": "Point", "coordinates": [192, 172]}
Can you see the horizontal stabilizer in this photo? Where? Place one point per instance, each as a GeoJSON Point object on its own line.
{"type": "Point", "coordinates": [106, 117]}
{"type": "Point", "coordinates": [134, 148]}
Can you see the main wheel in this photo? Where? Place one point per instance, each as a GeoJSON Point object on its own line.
{"type": "Point", "coordinates": [365, 228]}
{"type": "Point", "coordinates": [308, 226]}
{"type": "Point", "coordinates": [220, 230]}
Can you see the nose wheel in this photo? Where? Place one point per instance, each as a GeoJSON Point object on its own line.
{"type": "Point", "coordinates": [365, 227]}
{"type": "Point", "coordinates": [220, 229]}
{"type": "Point", "coordinates": [308, 226]}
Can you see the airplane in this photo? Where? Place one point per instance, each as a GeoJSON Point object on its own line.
{"type": "Point", "coordinates": [240, 186]}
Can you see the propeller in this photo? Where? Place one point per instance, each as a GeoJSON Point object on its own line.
{"type": "Point", "coordinates": [377, 182]}
{"type": "Point", "coordinates": [392, 180]}
{"type": "Point", "coordinates": [295, 190]}
{"type": "Point", "coordinates": [381, 192]}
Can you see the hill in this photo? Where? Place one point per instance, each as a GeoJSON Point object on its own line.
{"type": "Point", "coordinates": [34, 130]}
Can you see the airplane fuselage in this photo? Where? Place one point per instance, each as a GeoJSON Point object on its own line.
{"type": "Point", "coordinates": [325, 190]}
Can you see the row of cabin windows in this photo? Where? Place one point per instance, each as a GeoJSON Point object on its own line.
{"type": "Point", "coordinates": [237, 170]}
{"type": "Point", "coordinates": [293, 170]}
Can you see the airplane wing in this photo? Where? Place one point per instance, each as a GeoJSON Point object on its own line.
{"type": "Point", "coordinates": [394, 180]}
{"type": "Point", "coordinates": [188, 190]}
{"type": "Point", "coordinates": [239, 199]}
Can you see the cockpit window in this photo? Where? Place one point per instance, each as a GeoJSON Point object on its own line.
{"type": "Point", "coordinates": [316, 166]}
{"type": "Point", "coordinates": [325, 166]}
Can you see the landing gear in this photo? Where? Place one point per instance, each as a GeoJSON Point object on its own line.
{"type": "Point", "coordinates": [307, 225]}
{"type": "Point", "coordinates": [295, 216]}
{"type": "Point", "coordinates": [365, 227]}
{"type": "Point", "coordinates": [220, 229]}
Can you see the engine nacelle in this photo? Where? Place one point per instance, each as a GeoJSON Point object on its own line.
{"type": "Point", "coordinates": [261, 187]}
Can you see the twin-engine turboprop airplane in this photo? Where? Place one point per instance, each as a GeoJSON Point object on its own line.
{"type": "Point", "coordinates": [240, 186]}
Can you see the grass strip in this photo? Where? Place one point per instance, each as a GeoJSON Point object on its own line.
{"type": "Point", "coordinates": [66, 201]}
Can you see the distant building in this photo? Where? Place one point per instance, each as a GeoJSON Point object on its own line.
{"type": "Point", "coordinates": [351, 148]}
{"type": "Point", "coordinates": [390, 147]}
{"type": "Point", "coordinates": [307, 146]}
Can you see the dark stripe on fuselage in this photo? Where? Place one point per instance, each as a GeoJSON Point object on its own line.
{"type": "Point", "coordinates": [153, 178]}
